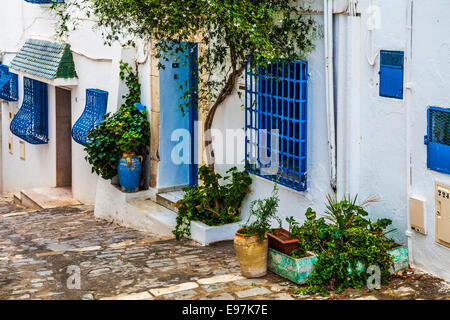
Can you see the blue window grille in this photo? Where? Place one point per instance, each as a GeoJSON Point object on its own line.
{"type": "Point", "coordinates": [44, 1]}
{"type": "Point", "coordinates": [276, 121]}
{"type": "Point", "coordinates": [391, 74]}
{"type": "Point", "coordinates": [438, 139]}
{"type": "Point", "coordinates": [31, 121]}
{"type": "Point", "coordinates": [96, 103]}
{"type": "Point", "coordinates": [8, 84]}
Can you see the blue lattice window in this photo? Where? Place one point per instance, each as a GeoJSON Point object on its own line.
{"type": "Point", "coordinates": [96, 103]}
{"type": "Point", "coordinates": [44, 1]}
{"type": "Point", "coordinates": [391, 74]}
{"type": "Point", "coordinates": [276, 121]}
{"type": "Point", "coordinates": [438, 139]}
{"type": "Point", "coordinates": [31, 121]}
{"type": "Point", "coordinates": [8, 84]}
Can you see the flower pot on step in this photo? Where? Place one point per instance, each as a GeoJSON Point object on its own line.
{"type": "Point", "coordinates": [280, 240]}
{"type": "Point", "coordinates": [251, 253]}
{"type": "Point", "coordinates": [129, 172]}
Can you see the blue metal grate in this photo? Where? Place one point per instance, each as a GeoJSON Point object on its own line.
{"type": "Point", "coordinates": [438, 140]}
{"type": "Point", "coordinates": [276, 121]}
{"type": "Point", "coordinates": [96, 103]}
{"type": "Point", "coordinates": [8, 84]}
{"type": "Point", "coordinates": [31, 121]}
{"type": "Point", "coordinates": [391, 74]}
{"type": "Point", "coordinates": [44, 1]}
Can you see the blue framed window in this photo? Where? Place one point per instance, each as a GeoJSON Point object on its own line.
{"type": "Point", "coordinates": [96, 103]}
{"type": "Point", "coordinates": [8, 84]}
{"type": "Point", "coordinates": [438, 139]}
{"type": "Point", "coordinates": [391, 74]}
{"type": "Point", "coordinates": [31, 121]}
{"type": "Point", "coordinates": [44, 1]}
{"type": "Point", "coordinates": [276, 97]}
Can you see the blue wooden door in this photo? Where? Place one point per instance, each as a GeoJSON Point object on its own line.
{"type": "Point", "coordinates": [178, 132]}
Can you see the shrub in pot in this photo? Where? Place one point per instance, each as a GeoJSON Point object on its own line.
{"type": "Point", "coordinates": [216, 201]}
{"type": "Point", "coordinates": [118, 145]}
{"type": "Point", "coordinates": [282, 240]}
{"type": "Point", "coordinates": [250, 241]}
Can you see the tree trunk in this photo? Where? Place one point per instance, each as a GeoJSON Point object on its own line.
{"type": "Point", "coordinates": [224, 93]}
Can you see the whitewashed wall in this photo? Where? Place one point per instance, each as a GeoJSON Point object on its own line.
{"type": "Point", "coordinates": [431, 87]}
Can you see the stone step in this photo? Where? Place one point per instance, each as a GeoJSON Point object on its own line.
{"type": "Point", "coordinates": [150, 216]}
{"type": "Point", "coordinates": [169, 199]}
{"type": "Point", "coordinates": [45, 198]}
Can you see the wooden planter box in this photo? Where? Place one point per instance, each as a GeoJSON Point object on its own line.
{"type": "Point", "coordinates": [298, 270]}
{"type": "Point", "coordinates": [281, 241]}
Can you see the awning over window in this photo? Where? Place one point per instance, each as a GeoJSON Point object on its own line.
{"type": "Point", "coordinates": [45, 59]}
{"type": "Point", "coordinates": [96, 103]}
{"type": "Point", "coordinates": [8, 84]}
{"type": "Point", "coordinates": [31, 121]}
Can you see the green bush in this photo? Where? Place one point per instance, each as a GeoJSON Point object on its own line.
{"type": "Point", "coordinates": [212, 203]}
{"type": "Point", "coordinates": [126, 130]}
{"type": "Point", "coordinates": [341, 244]}
{"type": "Point", "coordinates": [263, 211]}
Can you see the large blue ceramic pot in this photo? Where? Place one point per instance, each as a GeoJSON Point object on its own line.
{"type": "Point", "coordinates": [129, 172]}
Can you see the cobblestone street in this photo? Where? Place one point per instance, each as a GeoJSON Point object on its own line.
{"type": "Point", "coordinates": [39, 251]}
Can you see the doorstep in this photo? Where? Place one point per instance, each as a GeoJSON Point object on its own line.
{"type": "Point", "coordinates": [46, 198]}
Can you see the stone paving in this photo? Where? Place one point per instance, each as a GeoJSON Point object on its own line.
{"type": "Point", "coordinates": [43, 252]}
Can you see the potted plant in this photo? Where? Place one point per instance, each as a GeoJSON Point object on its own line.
{"type": "Point", "coordinates": [118, 145]}
{"type": "Point", "coordinates": [282, 240]}
{"type": "Point", "coordinates": [250, 241]}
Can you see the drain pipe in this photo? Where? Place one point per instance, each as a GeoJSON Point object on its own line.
{"type": "Point", "coordinates": [329, 88]}
{"type": "Point", "coordinates": [408, 96]}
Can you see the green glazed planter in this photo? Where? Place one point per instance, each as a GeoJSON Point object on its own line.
{"type": "Point", "coordinates": [298, 270]}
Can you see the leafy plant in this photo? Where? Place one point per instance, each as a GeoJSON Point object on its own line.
{"type": "Point", "coordinates": [263, 211]}
{"type": "Point", "coordinates": [291, 222]}
{"type": "Point", "coordinates": [214, 202]}
{"type": "Point", "coordinates": [126, 130]}
{"type": "Point", "coordinates": [343, 246]}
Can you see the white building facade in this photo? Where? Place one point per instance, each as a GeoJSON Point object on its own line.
{"type": "Point", "coordinates": [371, 81]}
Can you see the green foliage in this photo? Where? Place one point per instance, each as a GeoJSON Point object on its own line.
{"type": "Point", "coordinates": [215, 202]}
{"type": "Point", "coordinates": [230, 30]}
{"type": "Point", "coordinates": [342, 245]}
{"type": "Point", "coordinates": [262, 211]}
{"type": "Point", "coordinates": [291, 222]}
{"type": "Point", "coordinates": [126, 130]}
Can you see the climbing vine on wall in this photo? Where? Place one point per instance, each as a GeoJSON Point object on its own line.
{"type": "Point", "coordinates": [228, 30]}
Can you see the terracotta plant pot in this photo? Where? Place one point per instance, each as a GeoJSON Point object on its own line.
{"type": "Point", "coordinates": [252, 254]}
{"type": "Point", "coordinates": [280, 240]}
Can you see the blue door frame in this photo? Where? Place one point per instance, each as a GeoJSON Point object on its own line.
{"type": "Point", "coordinates": [176, 73]}
{"type": "Point", "coordinates": [193, 113]}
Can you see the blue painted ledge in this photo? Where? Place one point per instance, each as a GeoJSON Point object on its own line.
{"type": "Point", "coordinates": [298, 270]}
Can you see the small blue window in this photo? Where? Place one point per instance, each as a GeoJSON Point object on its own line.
{"type": "Point", "coordinates": [31, 121]}
{"type": "Point", "coordinates": [438, 139]}
{"type": "Point", "coordinates": [8, 84]}
{"type": "Point", "coordinates": [276, 121]}
{"type": "Point", "coordinates": [96, 103]}
{"type": "Point", "coordinates": [391, 74]}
